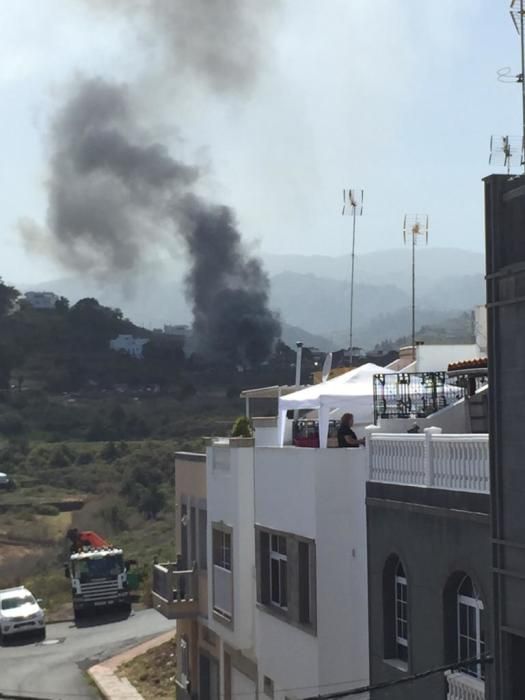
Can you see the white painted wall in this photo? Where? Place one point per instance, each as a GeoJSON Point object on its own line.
{"type": "Point", "coordinates": [480, 322]}
{"type": "Point", "coordinates": [285, 489]}
{"type": "Point", "coordinates": [342, 582]}
{"type": "Point", "coordinates": [319, 494]}
{"type": "Point", "coordinates": [230, 500]}
{"type": "Point", "coordinates": [243, 688]}
{"type": "Point", "coordinates": [287, 655]}
{"type": "Point", "coordinates": [436, 358]}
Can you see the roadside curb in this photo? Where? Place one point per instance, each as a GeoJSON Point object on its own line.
{"type": "Point", "coordinates": [105, 677]}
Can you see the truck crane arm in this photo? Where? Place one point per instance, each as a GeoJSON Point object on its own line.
{"type": "Point", "coordinates": [81, 539]}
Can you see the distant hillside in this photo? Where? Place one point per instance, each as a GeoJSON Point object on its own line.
{"type": "Point", "coordinates": [312, 293]}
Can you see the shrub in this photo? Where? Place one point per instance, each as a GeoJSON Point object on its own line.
{"type": "Point", "coordinates": [242, 427]}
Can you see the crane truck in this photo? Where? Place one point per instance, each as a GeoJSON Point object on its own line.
{"type": "Point", "coordinates": [98, 574]}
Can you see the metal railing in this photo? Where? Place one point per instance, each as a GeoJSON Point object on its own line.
{"type": "Point", "coordinates": [461, 686]}
{"type": "Point", "coordinates": [454, 462]}
{"type": "Point", "coordinates": [175, 586]}
{"type": "Point", "coordinates": [414, 394]}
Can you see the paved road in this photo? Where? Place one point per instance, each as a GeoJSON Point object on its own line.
{"type": "Point", "coordinates": [54, 669]}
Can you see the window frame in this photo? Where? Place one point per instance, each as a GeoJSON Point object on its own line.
{"type": "Point", "coordinates": [279, 559]}
{"type": "Point", "coordinates": [470, 603]}
{"type": "Point", "coordinates": [222, 552]}
{"type": "Point", "coordinates": [400, 620]}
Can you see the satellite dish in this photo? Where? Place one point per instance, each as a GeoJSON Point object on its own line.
{"type": "Point", "coordinates": [327, 366]}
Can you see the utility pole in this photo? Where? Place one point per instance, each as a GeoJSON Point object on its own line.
{"type": "Point", "coordinates": [414, 225]}
{"type": "Point", "coordinates": [352, 206]}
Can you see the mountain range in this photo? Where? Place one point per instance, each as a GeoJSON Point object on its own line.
{"type": "Point", "coordinates": [311, 293]}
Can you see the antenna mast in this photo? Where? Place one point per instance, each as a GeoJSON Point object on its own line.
{"type": "Point", "coordinates": [352, 206]}
{"type": "Point", "coordinates": [517, 12]}
{"type": "Point", "coordinates": [414, 225]}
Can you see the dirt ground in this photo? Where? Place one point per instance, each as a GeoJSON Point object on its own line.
{"type": "Point", "coordinates": [153, 673]}
{"type": "Point", "coordinates": [9, 554]}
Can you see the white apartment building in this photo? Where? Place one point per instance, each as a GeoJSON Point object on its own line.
{"type": "Point", "coordinates": [129, 344]}
{"type": "Point", "coordinates": [272, 587]}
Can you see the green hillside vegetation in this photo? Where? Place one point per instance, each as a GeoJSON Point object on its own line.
{"type": "Point", "coordinates": [127, 490]}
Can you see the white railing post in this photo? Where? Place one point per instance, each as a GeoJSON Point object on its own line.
{"type": "Point", "coordinates": [369, 430]}
{"type": "Point", "coordinates": [429, 456]}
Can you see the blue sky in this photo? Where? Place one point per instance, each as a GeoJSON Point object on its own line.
{"type": "Point", "coordinates": [394, 96]}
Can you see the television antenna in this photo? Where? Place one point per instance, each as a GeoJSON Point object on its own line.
{"type": "Point", "coordinates": [327, 367]}
{"type": "Point", "coordinates": [517, 13]}
{"type": "Point", "coordinates": [415, 226]}
{"type": "Point", "coordinates": [352, 206]}
{"type": "Point", "coordinates": [504, 150]}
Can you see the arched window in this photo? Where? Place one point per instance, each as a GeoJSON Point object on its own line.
{"type": "Point", "coordinates": [401, 612]}
{"type": "Point", "coordinates": [395, 610]}
{"type": "Point", "coordinates": [470, 626]}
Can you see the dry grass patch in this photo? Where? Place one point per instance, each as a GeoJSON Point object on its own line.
{"type": "Point", "coordinates": [153, 673]}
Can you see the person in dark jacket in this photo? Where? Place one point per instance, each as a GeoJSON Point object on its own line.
{"type": "Point", "coordinates": [345, 435]}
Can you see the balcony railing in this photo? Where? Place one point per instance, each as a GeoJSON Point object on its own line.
{"type": "Point", "coordinates": [455, 462]}
{"type": "Point", "coordinates": [223, 591]}
{"type": "Point", "coordinates": [414, 394]}
{"type": "Point", "coordinates": [175, 593]}
{"type": "Point", "coordinates": [464, 687]}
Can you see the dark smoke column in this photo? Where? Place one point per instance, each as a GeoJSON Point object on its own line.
{"type": "Point", "coordinates": [116, 197]}
{"type": "Point", "coordinates": [229, 290]}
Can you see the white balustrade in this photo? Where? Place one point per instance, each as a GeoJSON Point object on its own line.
{"type": "Point", "coordinates": [461, 686]}
{"type": "Point", "coordinates": [395, 459]}
{"type": "Point", "coordinates": [455, 462]}
{"type": "Point", "coordinates": [223, 591]}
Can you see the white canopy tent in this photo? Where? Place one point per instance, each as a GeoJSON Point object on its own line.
{"type": "Point", "coordinates": [352, 391]}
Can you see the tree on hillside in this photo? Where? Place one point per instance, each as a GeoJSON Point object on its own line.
{"type": "Point", "coordinates": [8, 297]}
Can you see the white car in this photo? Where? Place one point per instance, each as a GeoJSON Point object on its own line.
{"type": "Point", "coordinates": [20, 612]}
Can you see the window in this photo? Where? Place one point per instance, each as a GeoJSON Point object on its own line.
{"type": "Point", "coordinates": [395, 613]}
{"type": "Point", "coordinates": [304, 583]}
{"type": "Point", "coordinates": [286, 576]}
{"type": "Point", "coordinates": [401, 613]}
{"type": "Point", "coordinates": [268, 686]}
{"type": "Point", "coordinates": [470, 626]}
{"type": "Point", "coordinates": [278, 572]}
{"type": "Point", "coordinates": [222, 549]}
{"type": "Point", "coordinates": [193, 535]}
{"type": "Point", "coordinates": [203, 543]}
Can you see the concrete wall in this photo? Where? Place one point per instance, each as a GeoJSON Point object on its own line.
{"type": "Point", "coordinates": [287, 655]}
{"type": "Point", "coordinates": [435, 534]}
{"type": "Point", "coordinates": [436, 358]}
{"type": "Point", "coordinates": [230, 501]}
{"type": "Point", "coordinates": [342, 598]}
{"type": "Point", "coordinates": [318, 494]}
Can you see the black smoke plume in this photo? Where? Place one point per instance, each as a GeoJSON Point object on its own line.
{"type": "Point", "coordinates": [115, 194]}
{"type": "Point", "coordinates": [218, 41]}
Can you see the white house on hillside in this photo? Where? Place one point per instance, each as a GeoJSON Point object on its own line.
{"type": "Point", "coordinates": [42, 300]}
{"type": "Point", "coordinates": [129, 344]}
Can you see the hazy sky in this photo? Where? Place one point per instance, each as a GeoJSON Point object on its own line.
{"type": "Point", "coordinates": [395, 96]}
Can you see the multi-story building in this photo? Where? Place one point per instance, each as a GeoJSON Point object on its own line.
{"type": "Point", "coordinates": [282, 590]}
{"type": "Point", "coordinates": [429, 563]}
{"type": "Point", "coordinates": [284, 579]}
{"type": "Point", "coordinates": [505, 256]}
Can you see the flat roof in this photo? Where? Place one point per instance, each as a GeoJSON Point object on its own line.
{"type": "Point", "coordinates": [269, 392]}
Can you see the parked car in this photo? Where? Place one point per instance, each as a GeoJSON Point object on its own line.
{"type": "Point", "coordinates": [20, 612]}
{"type": "Point", "coordinates": [6, 484]}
